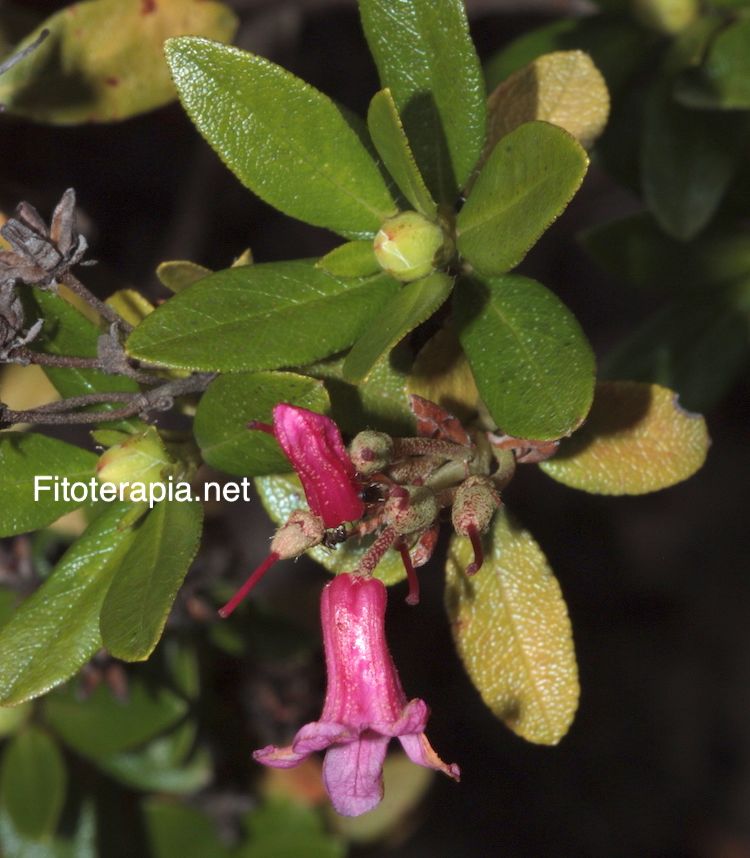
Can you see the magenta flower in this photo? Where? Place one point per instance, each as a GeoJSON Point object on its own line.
{"type": "Point", "coordinates": [314, 446]}
{"type": "Point", "coordinates": [365, 705]}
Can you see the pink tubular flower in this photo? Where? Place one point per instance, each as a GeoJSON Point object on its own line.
{"type": "Point", "coordinates": [313, 445]}
{"type": "Point", "coordinates": [365, 705]}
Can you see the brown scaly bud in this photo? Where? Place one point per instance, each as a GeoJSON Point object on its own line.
{"type": "Point", "coordinates": [410, 509]}
{"type": "Point", "coordinates": [301, 531]}
{"type": "Point", "coordinates": [475, 503]}
{"type": "Point", "coordinates": [371, 452]}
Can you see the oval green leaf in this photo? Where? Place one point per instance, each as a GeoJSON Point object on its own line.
{"type": "Point", "coordinates": [528, 180]}
{"type": "Point", "coordinates": [688, 159]}
{"type": "Point", "coordinates": [260, 317]}
{"type": "Point", "coordinates": [103, 724]}
{"type": "Point", "coordinates": [281, 495]}
{"type": "Point", "coordinates": [512, 631]}
{"type": "Point", "coordinates": [426, 58]}
{"type": "Point", "coordinates": [637, 439]}
{"type": "Point", "coordinates": [149, 575]}
{"type": "Point", "coordinates": [281, 137]}
{"type": "Point", "coordinates": [178, 274]}
{"type": "Point", "coordinates": [103, 60]}
{"type": "Point", "coordinates": [27, 463]}
{"type": "Point", "coordinates": [723, 80]}
{"type": "Point", "coordinates": [56, 629]}
{"type": "Point", "coordinates": [33, 783]}
{"type": "Point", "coordinates": [390, 140]}
{"type": "Point", "coordinates": [414, 304]}
{"type": "Point", "coordinates": [223, 413]}
{"type": "Point", "coordinates": [531, 361]}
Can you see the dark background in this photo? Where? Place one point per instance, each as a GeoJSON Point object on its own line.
{"type": "Point", "coordinates": [658, 760]}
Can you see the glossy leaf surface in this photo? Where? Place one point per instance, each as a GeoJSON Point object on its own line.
{"type": "Point", "coordinates": [512, 631]}
{"type": "Point", "coordinates": [281, 137]}
{"type": "Point", "coordinates": [413, 304]}
{"type": "Point", "coordinates": [23, 458]}
{"type": "Point", "coordinates": [232, 400]}
{"type": "Point", "coordinates": [637, 439]}
{"type": "Point", "coordinates": [150, 573]}
{"type": "Point", "coordinates": [527, 181]}
{"type": "Point", "coordinates": [426, 58]}
{"type": "Point", "coordinates": [260, 317]}
{"type": "Point", "coordinates": [532, 363]}
{"type": "Point", "coordinates": [56, 629]}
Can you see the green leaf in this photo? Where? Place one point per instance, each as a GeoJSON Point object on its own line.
{"type": "Point", "coordinates": [380, 402]}
{"type": "Point", "coordinates": [282, 829]}
{"type": "Point", "coordinates": [528, 180]}
{"type": "Point", "coordinates": [564, 88]}
{"type": "Point", "coordinates": [23, 458]}
{"type": "Point", "coordinates": [531, 361]}
{"type": "Point", "coordinates": [178, 274]}
{"type": "Point", "coordinates": [68, 332]}
{"type": "Point", "coordinates": [232, 400]}
{"type": "Point", "coordinates": [294, 147]}
{"type": "Point", "coordinates": [426, 58]}
{"type": "Point", "coordinates": [33, 783]}
{"type": "Point", "coordinates": [688, 158]}
{"type": "Point", "coordinates": [163, 764]}
{"type": "Point", "coordinates": [103, 725]}
{"type": "Point", "coordinates": [260, 317]}
{"type": "Point", "coordinates": [637, 439]}
{"type": "Point", "coordinates": [512, 631]}
{"type": "Point", "coordinates": [637, 251]}
{"type": "Point", "coordinates": [71, 79]}
{"type": "Point", "coordinates": [389, 137]}
{"type": "Point", "coordinates": [56, 629]}
{"type": "Point", "coordinates": [723, 80]}
{"type": "Point", "coordinates": [145, 585]}
{"type": "Point", "coordinates": [414, 304]}
{"type": "Point", "coordinates": [352, 259]}
{"type": "Point", "coordinates": [179, 830]}
{"type": "Point", "coordinates": [281, 495]}
{"type": "Point", "coordinates": [698, 346]}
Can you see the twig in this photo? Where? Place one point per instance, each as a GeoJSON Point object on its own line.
{"type": "Point", "coordinates": [104, 310]}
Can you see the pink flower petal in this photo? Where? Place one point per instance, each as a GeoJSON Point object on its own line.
{"type": "Point", "coordinates": [318, 735]}
{"type": "Point", "coordinates": [313, 444]}
{"type": "Point", "coordinates": [413, 719]}
{"type": "Point", "coordinates": [353, 774]}
{"type": "Point", "coordinates": [278, 758]}
{"type": "Point", "coordinates": [420, 751]}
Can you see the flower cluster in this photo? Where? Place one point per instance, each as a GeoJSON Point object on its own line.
{"type": "Point", "coordinates": [395, 489]}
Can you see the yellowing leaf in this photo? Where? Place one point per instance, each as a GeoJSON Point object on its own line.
{"type": "Point", "coordinates": [178, 274]}
{"type": "Point", "coordinates": [512, 632]}
{"type": "Point", "coordinates": [442, 374]}
{"type": "Point", "coordinates": [103, 60]}
{"type": "Point", "coordinates": [636, 439]}
{"type": "Point", "coordinates": [564, 88]}
{"type": "Point", "coordinates": [131, 305]}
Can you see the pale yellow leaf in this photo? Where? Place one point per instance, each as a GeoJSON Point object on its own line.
{"type": "Point", "coordinates": [636, 439]}
{"type": "Point", "coordinates": [512, 631]}
{"type": "Point", "coordinates": [564, 88]}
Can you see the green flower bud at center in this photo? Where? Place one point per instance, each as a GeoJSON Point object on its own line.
{"type": "Point", "coordinates": [408, 246]}
{"type": "Point", "coordinates": [141, 458]}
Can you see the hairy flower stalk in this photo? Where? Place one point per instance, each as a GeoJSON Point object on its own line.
{"type": "Point", "coordinates": [365, 705]}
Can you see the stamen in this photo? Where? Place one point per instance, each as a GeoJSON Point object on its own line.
{"type": "Point", "coordinates": [476, 543]}
{"type": "Point", "coordinates": [412, 597]}
{"type": "Point", "coordinates": [260, 426]}
{"type": "Point", "coordinates": [228, 609]}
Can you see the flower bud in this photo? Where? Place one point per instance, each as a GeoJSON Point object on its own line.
{"type": "Point", "coordinates": [371, 452]}
{"type": "Point", "coordinates": [474, 505]}
{"type": "Point", "coordinates": [301, 531]}
{"type": "Point", "coordinates": [408, 245]}
{"type": "Point", "coordinates": [140, 458]}
{"type": "Point", "coordinates": [411, 509]}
